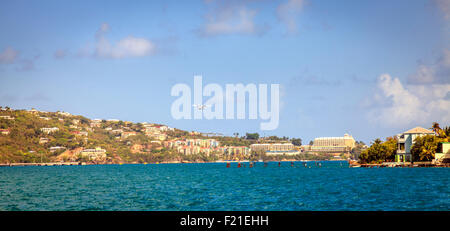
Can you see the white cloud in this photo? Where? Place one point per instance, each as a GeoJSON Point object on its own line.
{"type": "Point", "coordinates": [231, 18]}
{"type": "Point", "coordinates": [438, 72]}
{"type": "Point", "coordinates": [288, 13]}
{"type": "Point", "coordinates": [398, 105]}
{"type": "Point", "coordinates": [444, 5]}
{"type": "Point", "coordinates": [124, 48]}
{"type": "Point", "coordinates": [8, 56]}
{"type": "Point", "coordinates": [59, 54]}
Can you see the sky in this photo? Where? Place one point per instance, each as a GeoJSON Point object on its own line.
{"type": "Point", "coordinates": [372, 69]}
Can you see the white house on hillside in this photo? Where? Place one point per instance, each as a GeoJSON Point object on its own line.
{"type": "Point", "coordinates": [406, 141]}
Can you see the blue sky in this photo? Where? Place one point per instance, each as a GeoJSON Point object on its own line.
{"type": "Point", "coordinates": [369, 68]}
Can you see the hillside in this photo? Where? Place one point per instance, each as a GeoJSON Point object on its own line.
{"type": "Point", "coordinates": [32, 136]}
{"type": "Point", "coordinates": [37, 136]}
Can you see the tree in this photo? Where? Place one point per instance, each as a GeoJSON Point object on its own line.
{"type": "Point", "coordinates": [391, 149]}
{"type": "Point", "coordinates": [251, 136]}
{"type": "Point", "coordinates": [296, 141]}
{"type": "Point", "coordinates": [424, 148]}
{"type": "Point", "coordinates": [437, 129]}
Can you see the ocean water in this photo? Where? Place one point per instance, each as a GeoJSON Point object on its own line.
{"type": "Point", "coordinates": [212, 186]}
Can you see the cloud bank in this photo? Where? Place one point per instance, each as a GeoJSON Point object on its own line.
{"type": "Point", "coordinates": [436, 73]}
{"type": "Point", "coordinates": [125, 48]}
{"type": "Point", "coordinates": [8, 56]}
{"type": "Point", "coordinates": [288, 12]}
{"type": "Point", "coordinates": [398, 105]}
{"type": "Point", "coordinates": [444, 6]}
{"type": "Point", "coordinates": [230, 18]}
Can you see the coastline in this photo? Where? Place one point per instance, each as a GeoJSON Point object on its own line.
{"type": "Point", "coordinates": [351, 164]}
{"type": "Point", "coordinates": [163, 162]}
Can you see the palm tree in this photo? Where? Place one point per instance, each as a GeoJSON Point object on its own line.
{"type": "Point", "coordinates": [435, 127]}
{"type": "Point", "coordinates": [437, 130]}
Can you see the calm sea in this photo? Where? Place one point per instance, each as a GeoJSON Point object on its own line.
{"type": "Point", "coordinates": [212, 186]}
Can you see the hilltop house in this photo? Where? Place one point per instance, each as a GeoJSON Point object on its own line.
{"type": "Point", "coordinates": [7, 117]}
{"type": "Point", "coordinates": [56, 148]}
{"type": "Point", "coordinates": [4, 131]}
{"type": "Point", "coordinates": [43, 140]}
{"type": "Point", "coordinates": [80, 133]}
{"type": "Point", "coordinates": [49, 130]}
{"type": "Point", "coordinates": [406, 141]}
{"type": "Point", "coordinates": [127, 134]}
{"type": "Point", "coordinates": [95, 123]}
{"type": "Point", "coordinates": [64, 113]}
{"type": "Point", "coordinates": [33, 111]}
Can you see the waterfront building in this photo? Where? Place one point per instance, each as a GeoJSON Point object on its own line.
{"type": "Point", "coordinates": [305, 148]}
{"type": "Point", "coordinates": [237, 150]}
{"type": "Point", "coordinates": [205, 143]}
{"type": "Point", "coordinates": [275, 148]}
{"type": "Point", "coordinates": [94, 154]}
{"type": "Point", "coordinates": [443, 153]}
{"type": "Point", "coordinates": [406, 140]}
{"type": "Point", "coordinates": [188, 150]}
{"type": "Point", "coordinates": [333, 144]}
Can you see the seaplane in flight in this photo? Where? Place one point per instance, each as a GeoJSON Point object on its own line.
{"type": "Point", "coordinates": [201, 107]}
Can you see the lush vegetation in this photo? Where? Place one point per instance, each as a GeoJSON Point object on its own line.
{"type": "Point", "coordinates": [379, 151]}
{"type": "Point", "coordinates": [23, 143]}
{"type": "Point", "coordinates": [423, 149]}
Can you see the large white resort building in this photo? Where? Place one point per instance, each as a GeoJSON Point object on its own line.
{"type": "Point", "coordinates": [333, 144]}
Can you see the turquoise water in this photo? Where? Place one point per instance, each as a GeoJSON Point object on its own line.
{"type": "Point", "coordinates": [212, 186]}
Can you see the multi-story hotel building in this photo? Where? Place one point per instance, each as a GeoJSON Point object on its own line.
{"type": "Point", "coordinates": [275, 149]}
{"type": "Point", "coordinates": [333, 144]}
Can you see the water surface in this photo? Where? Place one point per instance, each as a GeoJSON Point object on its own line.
{"type": "Point", "coordinates": [212, 186]}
